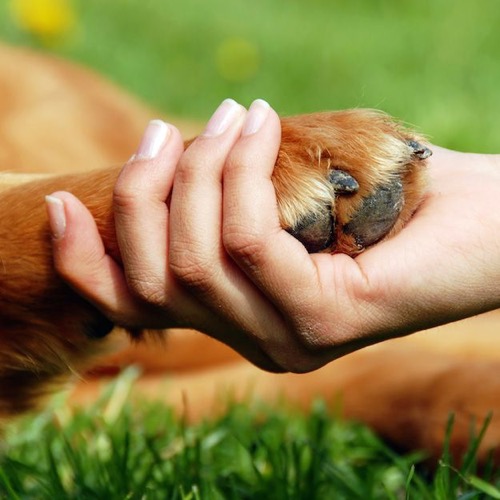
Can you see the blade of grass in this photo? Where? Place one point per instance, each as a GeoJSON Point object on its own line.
{"type": "Point", "coordinates": [7, 487]}
{"type": "Point", "coordinates": [484, 487]}
{"type": "Point", "coordinates": [471, 453]}
{"type": "Point", "coordinates": [442, 479]}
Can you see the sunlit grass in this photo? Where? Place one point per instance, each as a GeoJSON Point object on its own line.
{"type": "Point", "coordinates": [251, 452]}
{"type": "Point", "coordinates": [113, 450]}
{"type": "Point", "coordinates": [432, 63]}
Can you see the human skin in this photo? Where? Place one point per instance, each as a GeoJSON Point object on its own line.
{"type": "Point", "coordinates": [216, 259]}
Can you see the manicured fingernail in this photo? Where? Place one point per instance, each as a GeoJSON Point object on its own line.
{"type": "Point", "coordinates": [257, 114]}
{"type": "Point", "coordinates": [222, 118]}
{"type": "Point", "coordinates": [152, 141]}
{"type": "Point", "coordinates": [57, 216]}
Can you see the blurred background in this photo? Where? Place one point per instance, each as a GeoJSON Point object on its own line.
{"type": "Point", "coordinates": [434, 64]}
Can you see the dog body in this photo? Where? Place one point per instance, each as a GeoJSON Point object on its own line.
{"type": "Point", "coordinates": [59, 122]}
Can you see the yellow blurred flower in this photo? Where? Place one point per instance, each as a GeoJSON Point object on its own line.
{"type": "Point", "coordinates": [45, 19]}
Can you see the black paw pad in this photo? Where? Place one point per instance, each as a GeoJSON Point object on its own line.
{"type": "Point", "coordinates": [316, 232]}
{"type": "Point", "coordinates": [377, 214]}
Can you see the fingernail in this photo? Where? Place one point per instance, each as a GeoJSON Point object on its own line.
{"type": "Point", "coordinates": [257, 114]}
{"type": "Point", "coordinates": [152, 141]}
{"type": "Point", "coordinates": [57, 216]}
{"type": "Point", "coordinates": [222, 118]}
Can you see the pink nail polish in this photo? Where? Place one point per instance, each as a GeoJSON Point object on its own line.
{"type": "Point", "coordinates": [57, 216]}
{"type": "Point", "coordinates": [257, 114]}
{"type": "Point", "coordinates": [153, 140]}
{"type": "Point", "coordinates": [222, 118]}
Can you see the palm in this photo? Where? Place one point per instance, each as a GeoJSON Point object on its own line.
{"type": "Point", "coordinates": [444, 264]}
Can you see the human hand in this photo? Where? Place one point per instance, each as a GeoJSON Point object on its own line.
{"type": "Point", "coordinates": [141, 292]}
{"type": "Point", "coordinates": [227, 267]}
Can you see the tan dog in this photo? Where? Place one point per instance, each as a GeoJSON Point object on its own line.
{"type": "Point", "coordinates": [58, 118]}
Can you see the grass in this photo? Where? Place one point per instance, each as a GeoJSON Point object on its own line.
{"type": "Point", "coordinates": [432, 63]}
{"type": "Point", "coordinates": [117, 451]}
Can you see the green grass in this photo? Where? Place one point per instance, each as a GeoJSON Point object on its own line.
{"type": "Point", "coordinates": [116, 451]}
{"type": "Point", "coordinates": [432, 63]}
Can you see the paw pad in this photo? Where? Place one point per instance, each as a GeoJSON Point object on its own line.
{"type": "Point", "coordinates": [370, 166]}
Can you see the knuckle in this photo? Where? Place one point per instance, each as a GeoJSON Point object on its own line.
{"type": "Point", "coordinates": [148, 290]}
{"type": "Point", "coordinates": [79, 268]}
{"type": "Point", "coordinates": [308, 362]}
{"type": "Point", "coordinates": [302, 361]}
{"type": "Point", "coordinates": [64, 266]}
{"type": "Point", "coordinates": [243, 245]}
{"type": "Point", "coordinates": [126, 196]}
{"type": "Point", "coordinates": [188, 169]}
{"type": "Point", "coordinates": [192, 270]}
{"type": "Point", "coordinates": [310, 341]}
{"type": "Point", "coordinates": [317, 344]}
{"type": "Point", "coordinates": [134, 185]}
{"type": "Point", "coordinates": [237, 164]}
{"type": "Point", "coordinates": [300, 355]}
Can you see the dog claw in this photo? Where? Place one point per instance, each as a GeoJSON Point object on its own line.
{"type": "Point", "coordinates": [343, 183]}
{"type": "Point", "coordinates": [419, 150]}
{"type": "Point", "coordinates": [377, 214]}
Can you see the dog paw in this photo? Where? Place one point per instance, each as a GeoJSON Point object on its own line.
{"type": "Point", "coordinates": [346, 180]}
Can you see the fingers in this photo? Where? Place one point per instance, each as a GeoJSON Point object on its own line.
{"type": "Point", "coordinates": [252, 233]}
{"type": "Point", "coordinates": [196, 255]}
{"type": "Point", "coordinates": [141, 213]}
{"type": "Point", "coordinates": [196, 205]}
{"type": "Point", "coordinates": [80, 257]}
{"type": "Point", "coordinates": [202, 202]}
{"type": "Point", "coordinates": [276, 262]}
{"type": "Point", "coordinates": [197, 259]}
{"type": "Point", "coordinates": [141, 227]}
{"type": "Point", "coordinates": [125, 294]}
{"type": "Point", "coordinates": [318, 296]}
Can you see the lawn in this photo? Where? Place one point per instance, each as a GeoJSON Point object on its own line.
{"type": "Point", "coordinates": [113, 451]}
{"type": "Point", "coordinates": [433, 64]}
